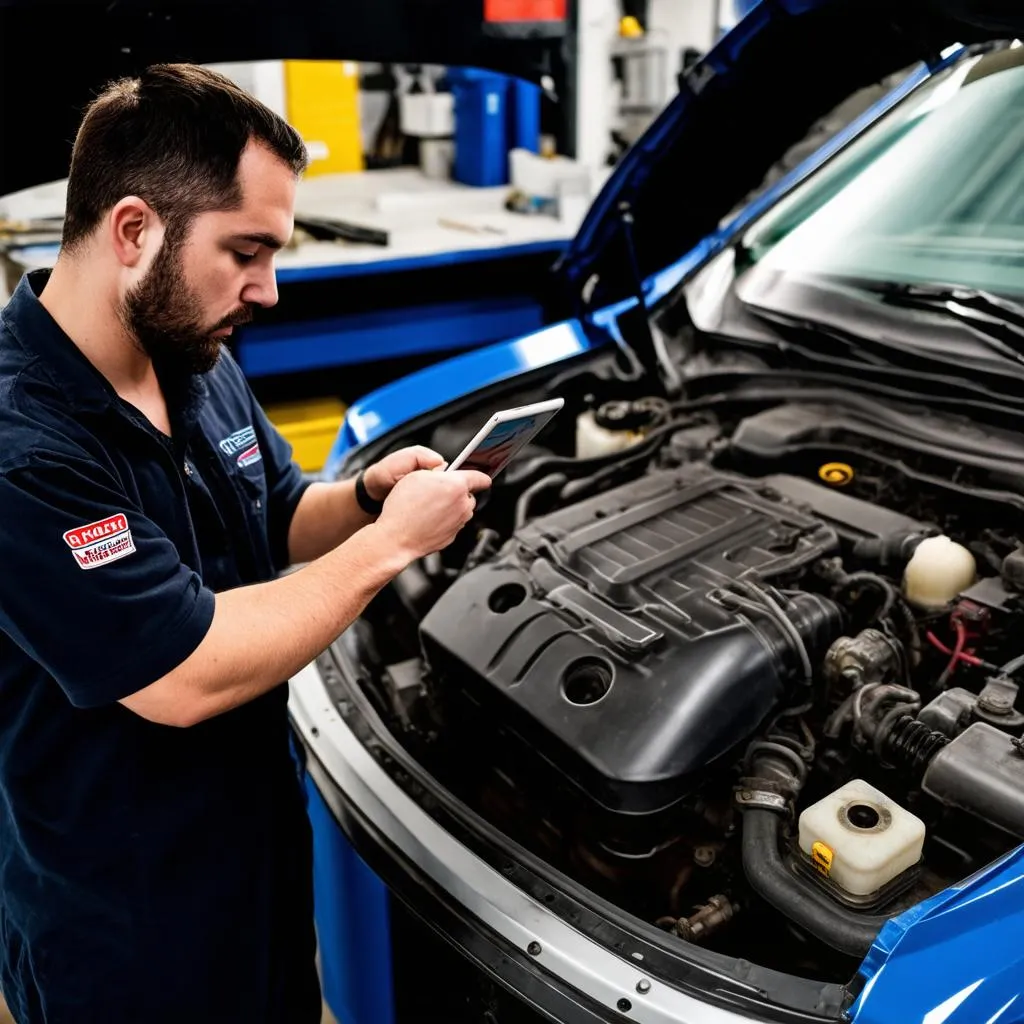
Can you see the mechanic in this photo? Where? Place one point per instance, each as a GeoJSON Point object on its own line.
{"type": "Point", "coordinates": [155, 860]}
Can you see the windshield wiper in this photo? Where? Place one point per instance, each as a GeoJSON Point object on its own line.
{"type": "Point", "coordinates": [997, 321]}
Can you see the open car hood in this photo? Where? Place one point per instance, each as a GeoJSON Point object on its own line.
{"type": "Point", "coordinates": [756, 94]}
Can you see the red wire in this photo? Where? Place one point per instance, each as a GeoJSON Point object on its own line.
{"type": "Point", "coordinates": [961, 641]}
{"type": "Point", "coordinates": [957, 654]}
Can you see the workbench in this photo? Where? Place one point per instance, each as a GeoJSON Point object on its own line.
{"type": "Point", "coordinates": [459, 271]}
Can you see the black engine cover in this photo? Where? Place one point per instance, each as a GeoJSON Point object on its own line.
{"type": "Point", "coordinates": [595, 638]}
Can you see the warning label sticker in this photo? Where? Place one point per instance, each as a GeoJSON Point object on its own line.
{"type": "Point", "coordinates": [106, 540]}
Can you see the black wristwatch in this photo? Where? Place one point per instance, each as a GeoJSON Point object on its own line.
{"type": "Point", "coordinates": [369, 505]}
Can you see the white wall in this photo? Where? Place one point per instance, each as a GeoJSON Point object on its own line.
{"type": "Point", "coordinates": [597, 33]}
{"type": "Point", "coordinates": [264, 79]}
{"type": "Point", "coordinates": [677, 24]}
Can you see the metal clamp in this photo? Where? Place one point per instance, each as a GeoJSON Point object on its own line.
{"type": "Point", "coordinates": [761, 799]}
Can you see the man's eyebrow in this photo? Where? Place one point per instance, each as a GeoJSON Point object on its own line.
{"type": "Point", "coordinates": [260, 238]}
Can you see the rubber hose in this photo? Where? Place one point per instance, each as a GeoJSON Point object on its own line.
{"type": "Point", "coordinates": [814, 911]}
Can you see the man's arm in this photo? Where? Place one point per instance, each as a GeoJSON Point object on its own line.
{"type": "Point", "coordinates": [325, 517]}
{"type": "Point", "coordinates": [328, 514]}
{"type": "Point", "coordinates": [263, 634]}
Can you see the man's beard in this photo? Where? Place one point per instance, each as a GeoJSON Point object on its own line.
{"type": "Point", "coordinates": [165, 317]}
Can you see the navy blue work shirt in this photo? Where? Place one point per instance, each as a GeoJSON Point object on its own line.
{"type": "Point", "coordinates": [148, 873]}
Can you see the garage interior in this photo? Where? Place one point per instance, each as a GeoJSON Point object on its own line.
{"type": "Point", "coordinates": [777, 470]}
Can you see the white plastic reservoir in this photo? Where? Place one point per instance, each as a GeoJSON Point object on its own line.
{"type": "Point", "coordinates": [860, 839]}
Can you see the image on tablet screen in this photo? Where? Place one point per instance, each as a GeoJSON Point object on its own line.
{"type": "Point", "coordinates": [495, 450]}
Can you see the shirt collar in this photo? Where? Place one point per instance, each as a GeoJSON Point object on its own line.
{"type": "Point", "coordinates": [40, 335]}
{"type": "Point", "coordinates": [87, 389]}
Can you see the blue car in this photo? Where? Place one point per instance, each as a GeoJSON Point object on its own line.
{"type": "Point", "coordinates": [713, 713]}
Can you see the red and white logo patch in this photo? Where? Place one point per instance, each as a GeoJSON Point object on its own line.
{"type": "Point", "coordinates": [249, 456]}
{"type": "Point", "coordinates": [106, 540]}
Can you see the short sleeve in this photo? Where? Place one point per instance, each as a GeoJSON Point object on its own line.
{"type": "Point", "coordinates": [93, 590]}
{"type": "Point", "coordinates": [285, 485]}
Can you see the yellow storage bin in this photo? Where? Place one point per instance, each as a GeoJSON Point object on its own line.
{"type": "Point", "coordinates": [310, 427]}
{"type": "Point", "coordinates": [322, 103]}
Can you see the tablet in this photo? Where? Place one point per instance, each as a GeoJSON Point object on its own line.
{"type": "Point", "coordinates": [498, 440]}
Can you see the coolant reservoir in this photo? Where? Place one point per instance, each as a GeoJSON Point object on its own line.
{"type": "Point", "coordinates": [860, 839]}
{"type": "Point", "coordinates": [593, 440]}
{"type": "Point", "coordinates": [939, 570]}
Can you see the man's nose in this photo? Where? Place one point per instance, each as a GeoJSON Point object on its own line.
{"type": "Point", "coordinates": [261, 289]}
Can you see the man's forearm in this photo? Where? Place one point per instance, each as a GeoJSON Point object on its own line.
{"type": "Point", "coordinates": [263, 634]}
{"type": "Point", "coordinates": [326, 516]}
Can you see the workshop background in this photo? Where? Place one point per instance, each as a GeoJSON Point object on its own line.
{"type": "Point", "coordinates": [436, 201]}
{"type": "Point", "coordinates": [427, 184]}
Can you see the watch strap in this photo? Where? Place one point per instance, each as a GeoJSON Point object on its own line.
{"type": "Point", "coordinates": [369, 505]}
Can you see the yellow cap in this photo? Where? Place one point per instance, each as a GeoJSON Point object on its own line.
{"type": "Point", "coordinates": [839, 474]}
{"type": "Point", "coordinates": [630, 27]}
{"type": "Point", "coordinates": [821, 857]}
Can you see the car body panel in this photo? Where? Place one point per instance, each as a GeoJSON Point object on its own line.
{"type": "Point", "coordinates": [954, 959]}
{"type": "Point", "coordinates": [409, 397]}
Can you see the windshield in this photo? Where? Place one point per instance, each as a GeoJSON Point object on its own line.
{"type": "Point", "coordinates": [932, 193]}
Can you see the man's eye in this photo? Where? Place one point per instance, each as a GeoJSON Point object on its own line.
{"type": "Point", "coordinates": [245, 257]}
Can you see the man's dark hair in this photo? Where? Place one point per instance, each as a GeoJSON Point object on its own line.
{"type": "Point", "coordinates": [173, 137]}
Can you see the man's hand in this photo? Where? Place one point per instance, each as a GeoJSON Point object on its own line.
{"type": "Point", "coordinates": [381, 477]}
{"type": "Point", "coordinates": [425, 510]}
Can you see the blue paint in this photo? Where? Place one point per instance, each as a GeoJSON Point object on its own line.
{"type": "Point", "coordinates": [954, 959]}
{"type": "Point", "coordinates": [330, 271]}
{"type": "Point", "coordinates": [353, 924]}
{"type": "Point", "coordinates": [385, 334]}
{"type": "Point", "coordinates": [402, 400]}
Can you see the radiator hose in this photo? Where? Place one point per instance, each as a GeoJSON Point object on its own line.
{"type": "Point", "coordinates": [771, 878]}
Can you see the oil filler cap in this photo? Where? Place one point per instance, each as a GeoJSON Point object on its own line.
{"type": "Point", "coordinates": [838, 474]}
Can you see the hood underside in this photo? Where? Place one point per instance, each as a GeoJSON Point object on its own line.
{"type": "Point", "coordinates": [756, 94]}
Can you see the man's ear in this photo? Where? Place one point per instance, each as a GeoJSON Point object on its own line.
{"type": "Point", "coordinates": [135, 230]}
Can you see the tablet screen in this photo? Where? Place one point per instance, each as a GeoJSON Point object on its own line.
{"type": "Point", "coordinates": [501, 442]}
{"type": "Point", "coordinates": [497, 442]}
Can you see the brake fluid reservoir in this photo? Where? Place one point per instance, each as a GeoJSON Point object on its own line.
{"type": "Point", "coordinates": [939, 570]}
{"type": "Point", "coordinates": [860, 839]}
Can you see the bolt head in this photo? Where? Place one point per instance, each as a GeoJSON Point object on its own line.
{"type": "Point", "coordinates": [643, 986]}
{"type": "Point", "coordinates": [533, 949]}
{"type": "Point", "coordinates": [624, 1005]}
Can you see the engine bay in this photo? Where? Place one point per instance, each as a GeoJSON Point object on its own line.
{"type": "Point", "coordinates": [745, 667]}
